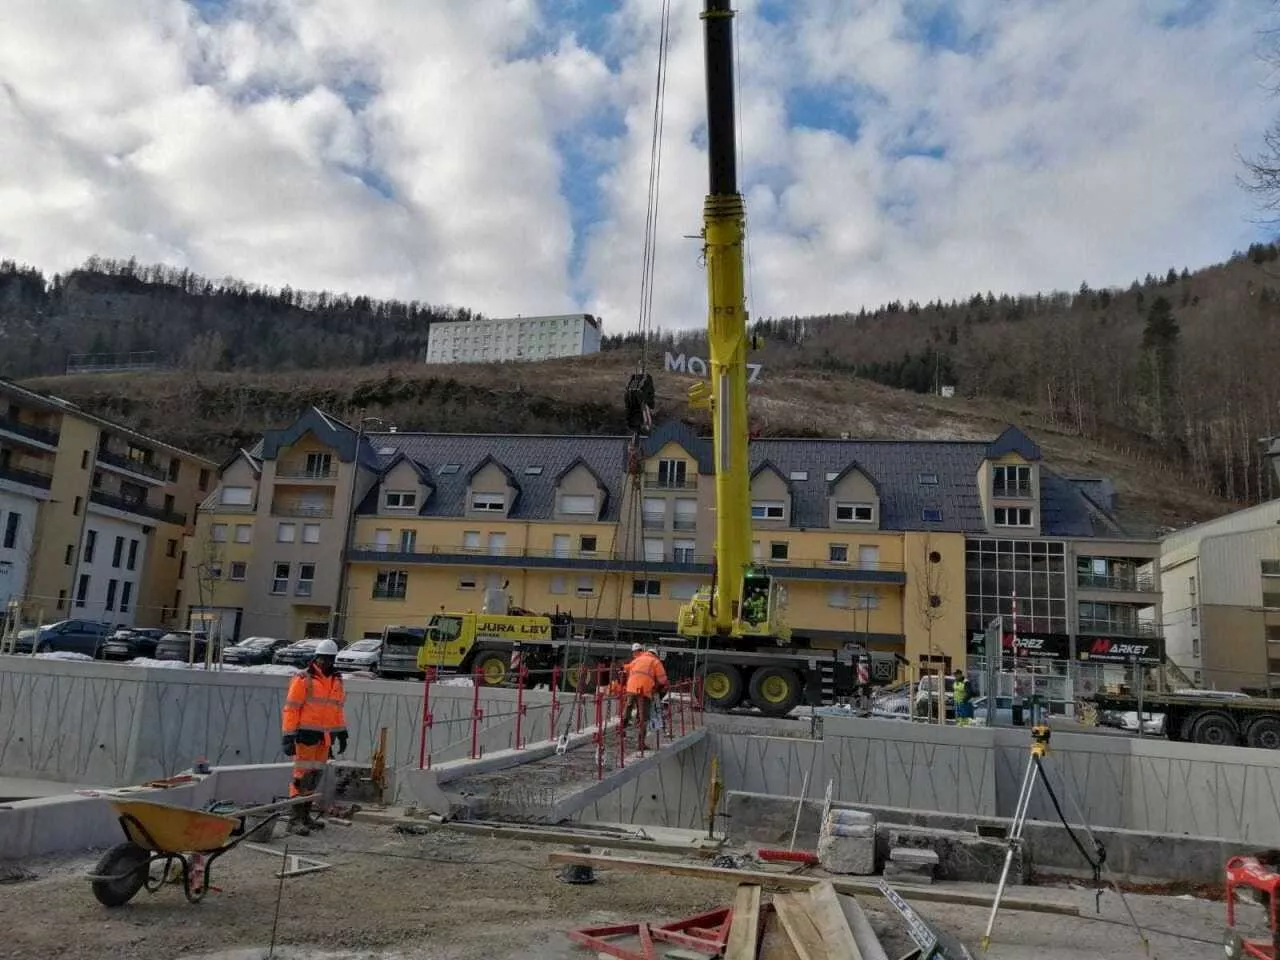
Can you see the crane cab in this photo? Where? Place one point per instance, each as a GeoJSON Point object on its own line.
{"type": "Point", "coordinates": [762, 613]}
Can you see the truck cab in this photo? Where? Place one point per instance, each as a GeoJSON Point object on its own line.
{"type": "Point", "coordinates": [762, 613]}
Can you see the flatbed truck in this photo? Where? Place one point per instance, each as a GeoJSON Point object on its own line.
{"type": "Point", "coordinates": [1216, 719]}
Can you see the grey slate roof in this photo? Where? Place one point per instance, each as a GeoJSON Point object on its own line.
{"type": "Point", "coordinates": [895, 467]}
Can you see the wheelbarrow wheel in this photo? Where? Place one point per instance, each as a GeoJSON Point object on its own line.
{"type": "Point", "coordinates": [120, 874]}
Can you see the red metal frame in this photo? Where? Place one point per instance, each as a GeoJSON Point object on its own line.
{"type": "Point", "coordinates": [521, 707]}
{"type": "Point", "coordinates": [1252, 874]}
{"type": "Point", "coordinates": [476, 713]}
{"type": "Point", "coordinates": [707, 933]}
{"type": "Point", "coordinates": [555, 702]}
{"type": "Point", "coordinates": [428, 719]}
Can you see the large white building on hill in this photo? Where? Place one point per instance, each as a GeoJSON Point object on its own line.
{"type": "Point", "coordinates": [513, 338]}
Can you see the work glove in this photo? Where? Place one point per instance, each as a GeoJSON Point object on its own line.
{"type": "Point", "coordinates": [286, 744]}
{"type": "Point", "coordinates": [341, 740]}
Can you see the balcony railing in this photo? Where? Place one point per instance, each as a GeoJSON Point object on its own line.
{"type": "Point", "coordinates": [32, 478]}
{"type": "Point", "coordinates": [137, 508]}
{"type": "Point", "coordinates": [39, 434]}
{"type": "Point", "coordinates": [653, 523]}
{"type": "Point", "coordinates": [1012, 491]}
{"type": "Point", "coordinates": [1119, 628]}
{"type": "Point", "coordinates": [479, 554]}
{"type": "Point", "coordinates": [1132, 583]}
{"type": "Point", "coordinates": [306, 510]}
{"type": "Point", "coordinates": [684, 525]}
{"type": "Point", "coordinates": [133, 466]}
{"type": "Point", "coordinates": [300, 471]}
{"type": "Point", "coordinates": [655, 481]}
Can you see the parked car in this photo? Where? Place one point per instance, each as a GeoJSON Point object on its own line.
{"type": "Point", "coordinates": [67, 636]}
{"type": "Point", "coordinates": [129, 643]}
{"type": "Point", "coordinates": [176, 645]}
{"type": "Point", "coordinates": [253, 651]}
{"type": "Point", "coordinates": [24, 641]}
{"type": "Point", "coordinates": [299, 654]}
{"type": "Point", "coordinates": [361, 655]}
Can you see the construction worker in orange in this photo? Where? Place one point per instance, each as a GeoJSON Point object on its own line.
{"type": "Point", "coordinates": [646, 676]}
{"type": "Point", "coordinates": [313, 722]}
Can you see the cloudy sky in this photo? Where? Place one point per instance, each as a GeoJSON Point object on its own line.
{"type": "Point", "coordinates": [494, 153]}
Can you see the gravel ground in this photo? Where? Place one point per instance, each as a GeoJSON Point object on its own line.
{"type": "Point", "coordinates": [460, 897]}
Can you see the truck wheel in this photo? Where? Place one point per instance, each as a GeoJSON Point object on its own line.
{"type": "Point", "coordinates": [721, 686]}
{"type": "Point", "coordinates": [579, 669]}
{"type": "Point", "coordinates": [1215, 729]}
{"type": "Point", "coordinates": [775, 690]}
{"type": "Point", "coordinates": [1265, 733]}
{"type": "Point", "coordinates": [494, 665]}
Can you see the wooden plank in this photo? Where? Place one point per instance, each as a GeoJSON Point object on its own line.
{"type": "Point", "coordinates": [793, 914]}
{"type": "Point", "coordinates": [829, 919]}
{"type": "Point", "coordinates": [788, 881]}
{"type": "Point", "coordinates": [744, 927]}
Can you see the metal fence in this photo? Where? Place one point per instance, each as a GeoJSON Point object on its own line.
{"type": "Point", "coordinates": [137, 362]}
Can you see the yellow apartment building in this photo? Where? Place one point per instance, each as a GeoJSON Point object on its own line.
{"type": "Point", "coordinates": [92, 515]}
{"type": "Point", "coordinates": [906, 547]}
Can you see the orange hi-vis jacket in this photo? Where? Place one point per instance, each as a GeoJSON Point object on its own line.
{"type": "Point", "coordinates": [644, 673]}
{"type": "Point", "coordinates": [314, 708]}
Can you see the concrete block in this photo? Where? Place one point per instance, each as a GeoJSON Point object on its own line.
{"type": "Point", "coordinates": [914, 856]}
{"type": "Point", "coordinates": [850, 817]}
{"type": "Point", "coordinates": [420, 788]}
{"type": "Point", "coordinates": [908, 873]}
{"type": "Point", "coordinates": [848, 855]}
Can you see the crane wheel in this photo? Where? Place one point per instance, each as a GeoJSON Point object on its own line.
{"type": "Point", "coordinates": [494, 665]}
{"type": "Point", "coordinates": [579, 669]}
{"type": "Point", "coordinates": [722, 686]}
{"type": "Point", "coordinates": [1264, 733]}
{"type": "Point", "coordinates": [775, 690]}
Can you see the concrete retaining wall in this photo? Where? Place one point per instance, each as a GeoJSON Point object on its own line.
{"type": "Point", "coordinates": [113, 724]}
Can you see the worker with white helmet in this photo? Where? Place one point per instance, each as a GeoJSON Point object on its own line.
{"type": "Point", "coordinates": [313, 721]}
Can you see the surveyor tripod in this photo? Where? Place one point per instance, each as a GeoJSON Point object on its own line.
{"type": "Point", "coordinates": [1098, 861]}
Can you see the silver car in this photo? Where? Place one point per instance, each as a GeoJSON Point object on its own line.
{"type": "Point", "coordinates": [360, 656]}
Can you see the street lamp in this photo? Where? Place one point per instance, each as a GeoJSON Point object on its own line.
{"type": "Point", "coordinates": [337, 622]}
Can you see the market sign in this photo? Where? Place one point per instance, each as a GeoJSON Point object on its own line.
{"type": "Point", "coordinates": [1126, 650]}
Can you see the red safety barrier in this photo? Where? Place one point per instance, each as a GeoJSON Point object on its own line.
{"type": "Point", "coordinates": [424, 750]}
{"type": "Point", "coordinates": [476, 713]}
{"type": "Point", "coordinates": [521, 707]}
{"type": "Point", "coordinates": [600, 723]}
{"type": "Point", "coordinates": [555, 702]}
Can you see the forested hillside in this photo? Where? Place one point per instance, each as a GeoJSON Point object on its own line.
{"type": "Point", "coordinates": [111, 306]}
{"type": "Point", "coordinates": [1187, 363]}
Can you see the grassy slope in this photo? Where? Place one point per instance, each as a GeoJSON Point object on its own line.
{"type": "Point", "coordinates": [212, 413]}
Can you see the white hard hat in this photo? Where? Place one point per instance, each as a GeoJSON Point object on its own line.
{"type": "Point", "coordinates": [326, 648]}
{"type": "Point", "coordinates": [636, 648]}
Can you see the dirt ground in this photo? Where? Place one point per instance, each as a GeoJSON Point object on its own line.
{"type": "Point", "coordinates": [454, 896]}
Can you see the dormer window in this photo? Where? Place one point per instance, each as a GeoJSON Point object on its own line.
{"type": "Point", "coordinates": [1011, 481]}
{"type": "Point", "coordinates": [768, 510]}
{"type": "Point", "coordinates": [401, 499]}
{"type": "Point", "coordinates": [672, 473]}
{"type": "Point", "coordinates": [855, 512]}
{"type": "Point", "coordinates": [489, 502]}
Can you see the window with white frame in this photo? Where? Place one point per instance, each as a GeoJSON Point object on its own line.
{"type": "Point", "coordinates": [239, 569]}
{"type": "Point", "coordinates": [838, 552]}
{"type": "Point", "coordinates": [854, 512]}
{"type": "Point", "coordinates": [586, 587]}
{"type": "Point", "coordinates": [768, 510]}
{"type": "Point", "coordinates": [654, 550]}
{"type": "Point", "coordinates": [489, 502]}
{"type": "Point", "coordinates": [244, 533]}
{"type": "Point", "coordinates": [311, 533]}
{"type": "Point", "coordinates": [497, 544]}
{"type": "Point", "coordinates": [471, 540]}
{"type": "Point", "coordinates": [401, 499]}
{"type": "Point", "coordinates": [236, 496]}
{"type": "Point", "coordinates": [588, 544]}
{"type": "Point", "coordinates": [306, 579]}
{"type": "Point", "coordinates": [560, 545]}
{"type": "Point", "coordinates": [868, 557]}
{"type": "Point", "coordinates": [382, 539]}
{"type": "Point", "coordinates": [779, 550]}
{"type": "Point", "coordinates": [408, 541]}
{"type": "Point", "coordinates": [280, 579]}
{"type": "Point", "coordinates": [218, 533]}
{"type": "Point", "coordinates": [466, 582]}
{"type": "Point", "coordinates": [654, 513]}
{"type": "Point", "coordinates": [686, 514]}
{"type": "Point", "coordinates": [577, 505]}
{"type": "Point", "coordinates": [391, 585]}
{"type": "Point", "coordinates": [1013, 516]}
{"type": "Point", "coordinates": [682, 551]}
{"type": "Point", "coordinates": [286, 532]}
{"type": "Point", "coordinates": [558, 586]}
{"type": "Point", "coordinates": [1011, 481]}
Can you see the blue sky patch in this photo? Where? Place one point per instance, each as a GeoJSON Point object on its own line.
{"type": "Point", "coordinates": [584, 156]}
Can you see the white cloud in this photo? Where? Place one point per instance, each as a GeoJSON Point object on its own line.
{"type": "Point", "coordinates": [1056, 143]}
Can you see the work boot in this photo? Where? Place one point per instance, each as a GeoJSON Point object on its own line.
{"type": "Point", "coordinates": [297, 823]}
{"type": "Point", "coordinates": [310, 818]}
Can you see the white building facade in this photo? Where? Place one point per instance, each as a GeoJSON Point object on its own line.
{"type": "Point", "coordinates": [112, 560]}
{"type": "Point", "coordinates": [18, 514]}
{"type": "Point", "coordinates": [514, 338]}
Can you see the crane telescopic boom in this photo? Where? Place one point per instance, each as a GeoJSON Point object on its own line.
{"type": "Point", "coordinates": [743, 600]}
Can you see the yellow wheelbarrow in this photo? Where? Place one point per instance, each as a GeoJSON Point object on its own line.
{"type": "Point", "coordinates": [178, 837]}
